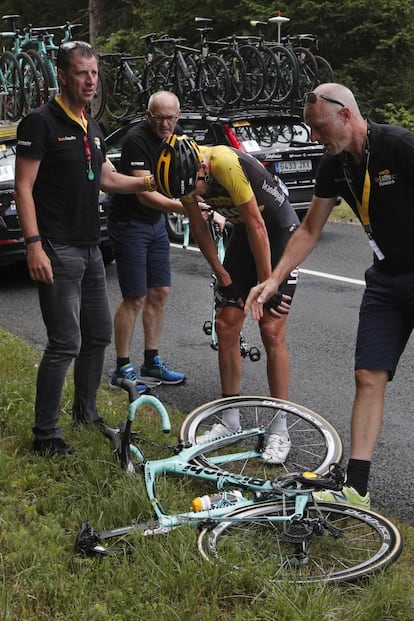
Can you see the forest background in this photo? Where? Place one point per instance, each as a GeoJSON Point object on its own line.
{"type": "Point", "coordinates": [369, 43]}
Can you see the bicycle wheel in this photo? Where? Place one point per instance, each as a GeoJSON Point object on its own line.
{"type": "Point", "coordinates": [255, 79]}
{"type": "Point", "coordinates": [12, 89]}
{"type": "Point", "coordinates": [43, 75]}
{"type": "Point", "coordinates": [237, 70]}
{"type": "Point", "coordinates": [31, 85]}
{"type": "Point", "coordinates": [331, 543]}
{"type": "Point", "coordinates": [118, 92]}
{"type": "Point", "coordinates": [272, 75]}
{"type": "Point", "coordinates": [214, 84]}
{"type": "Point", "coordinates": [288, 78]}
{"type": "Point", "coordinates": [315, 442]}
{"type": "Point", "coordinates": [98, 104]}
{"type": "Point", "coordinates": [325, 71]}
{"type": "Point", "coordinates": [307, 71]}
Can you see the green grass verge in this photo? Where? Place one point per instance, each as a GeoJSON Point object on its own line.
{"type": "Point", "coordinates": [44, 501]}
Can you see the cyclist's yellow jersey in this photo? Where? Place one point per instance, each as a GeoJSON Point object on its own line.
{"type": "Point", "coordinates": [236, 178]}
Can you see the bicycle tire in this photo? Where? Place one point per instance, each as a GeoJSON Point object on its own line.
{"type": "Point", "coordinates": [272, 75]}
{"type": "Point", "coordinates": [214, 84]}
{"type": "Point", "coordinates": [307, 71]}
{"type": "Point", "coordinates": [184, 79]}
{"type": "Point", "coordinates": [255, 78]}
{"type": "Point", "coordinates": [159, 78]}
{"type": "Point", "coordinates": [150, 78]}
{"type": "Point", "coordinates": [31, 85]}
{"type": "Point", "coordinates": [98, 104]}
{"type": "Point", "coordinates": [237, 70]}
{"type": "Point", "coordinates": [12, 101]}
{"type": "Point", "coordinates": [325, 71]}
{"type": "Point", "coordinates": [364, 544]}
{"type": "Point", "coordinates": [42, 74]}
{"type": "Point", "coordinates": [287, 86]}
{"type": "Point", "coordinates": [119, 94]}
{"type": "Point", "coordinates": [315, 442]}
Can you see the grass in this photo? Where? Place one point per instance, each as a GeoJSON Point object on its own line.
{"type": "Point", "coordinates": [44, 501]}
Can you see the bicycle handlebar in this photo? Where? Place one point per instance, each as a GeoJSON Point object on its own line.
{"type": "Point", "coordinates": [136, 400]}
{"type": "Point", "coordinates": [154, 402]}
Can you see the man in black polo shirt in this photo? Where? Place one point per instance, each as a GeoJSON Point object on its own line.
{"type": "Point", "coordinates": [136, 225]}
{"type": "Point", "coordinates": [371, 166]}
{"type": "Point", "coordinates": [60, 166]}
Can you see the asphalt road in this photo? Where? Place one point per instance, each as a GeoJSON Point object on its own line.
{"type": "Point", "coordinates": [321, 336]}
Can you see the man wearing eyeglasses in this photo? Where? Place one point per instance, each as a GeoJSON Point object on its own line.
{"type": "Point", "coordinates": [371, 166]}
{"type": "Point", "coordinates": [60, 168]}
{"type": "Point", "coordinates": [136, 225]}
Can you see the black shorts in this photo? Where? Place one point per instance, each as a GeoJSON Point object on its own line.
{"type": "Point", "coordinates": [142, 255]}
{"type": "Point", "coordinates": [240, 264]}
{"type": "Point", "coordinates": [386, 320]}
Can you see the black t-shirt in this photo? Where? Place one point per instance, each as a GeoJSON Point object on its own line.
{"type": "Point", "coordinates": [138, 152]}
{"type": "Point", "coordinates": [391, 202]}
{"type": "Point", "coordinates": [66, 200]}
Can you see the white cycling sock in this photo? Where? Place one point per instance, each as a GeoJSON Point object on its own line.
{"type": "Point", "coordinates": [231, 419]}
{"type": "Point", "coordinates": [279, 423]}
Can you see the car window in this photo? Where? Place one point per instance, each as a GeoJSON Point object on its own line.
{"type": "Point", "coordinates": [257, 135]}
{"type": "Point", "coordinates": [200, 131]}
{"type": "Point", "coordinates": [7, 160]}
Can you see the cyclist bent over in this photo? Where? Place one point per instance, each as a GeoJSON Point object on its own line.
{"type": "Point", "coordinates": [238, 187]}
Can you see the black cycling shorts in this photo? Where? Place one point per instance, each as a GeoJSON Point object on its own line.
{"type": "Point", "coordinates": [386, 320]}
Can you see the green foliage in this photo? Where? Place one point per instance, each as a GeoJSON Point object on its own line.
{"type": "Point", "coordinates": [370, 43]}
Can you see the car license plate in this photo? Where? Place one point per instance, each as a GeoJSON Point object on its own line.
{"type": "Point", "coordinates": [294, 166]}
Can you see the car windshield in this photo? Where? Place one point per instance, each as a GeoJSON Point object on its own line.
{"type": "Point", "coordinates": [258, 135]}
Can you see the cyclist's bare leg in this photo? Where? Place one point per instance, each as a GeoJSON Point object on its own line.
{"type": "Point", "coordinates": [229, 322]}
{"type": "Point", "coordinates": [273, 332]}
{"type": "Point", "coordinates": [367, 412]}
{"type": "Point", "coordinates": [153, 315]}
{"type": "Point", "coordinates": [124, 324]}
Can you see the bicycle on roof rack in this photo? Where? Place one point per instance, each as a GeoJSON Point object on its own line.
{"type": "Point", "coordinates": [258, 515]}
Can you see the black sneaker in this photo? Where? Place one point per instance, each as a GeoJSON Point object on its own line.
{"type": "Point", "coordinates": [53, 446]}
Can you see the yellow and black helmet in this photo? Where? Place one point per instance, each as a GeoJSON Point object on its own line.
{"type": "Point", "coordinates": [176, 166]}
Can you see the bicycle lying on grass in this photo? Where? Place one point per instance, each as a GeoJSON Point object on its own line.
{"type": "Point", "coordinates": [264, 515]}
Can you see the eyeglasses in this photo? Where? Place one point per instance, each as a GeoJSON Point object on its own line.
{"type": "Point", "coordinates": [171, 118]}
{"type": "Point", "coordinates": [311, 98]}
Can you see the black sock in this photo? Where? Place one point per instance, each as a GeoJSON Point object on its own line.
{"type": "Point", "coordinates": [149, 355]}
{"type": "Point", "coordinates": [121, 362]}
{"type": "Point", "coordinates": [358, 475]}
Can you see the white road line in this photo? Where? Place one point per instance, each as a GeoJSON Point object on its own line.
{"type": "Point", "coordinates": [352, 281]}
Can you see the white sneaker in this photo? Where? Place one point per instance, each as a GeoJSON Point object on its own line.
{"type": "Point", "coordinates": [218, 430]}
{"type": "Point", "coordinates": [277, 448]}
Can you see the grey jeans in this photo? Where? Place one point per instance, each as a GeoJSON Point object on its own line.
{"type": "Point", "coordinates": [77, 316]}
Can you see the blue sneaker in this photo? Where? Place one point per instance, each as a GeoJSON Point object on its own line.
{"type": "Point", "coordinates": [127, 372]}
{"type": "Point", "coordinates": [160, 373]}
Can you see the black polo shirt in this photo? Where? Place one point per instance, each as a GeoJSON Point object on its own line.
{"type": "Point", "coordinates": [391, 202]}
{"type": "Point", "coordinates": [66, 200]}
{"type": "Point", "coordinates": [138, 152]}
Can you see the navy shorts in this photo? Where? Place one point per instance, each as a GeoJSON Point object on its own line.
{"type": "Point", "coordinates": [386, 320]}
{"type": "Point", "coordinates": [142, 254]}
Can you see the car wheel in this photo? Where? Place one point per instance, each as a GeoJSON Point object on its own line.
{"type": "Point", "coordinates": [174, 223]}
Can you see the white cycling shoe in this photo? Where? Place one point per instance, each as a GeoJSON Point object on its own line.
{"type": "Point", "coordinates": [277, 448]}
{"type": "Point", "coordinates": [218, 430]}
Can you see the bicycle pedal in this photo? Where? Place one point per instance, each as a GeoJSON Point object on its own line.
{"type": "Point", "coordinates": [334, 481]}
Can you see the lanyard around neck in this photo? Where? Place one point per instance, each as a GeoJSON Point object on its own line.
{"type": "Point", "coordinates": [363, 204]}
